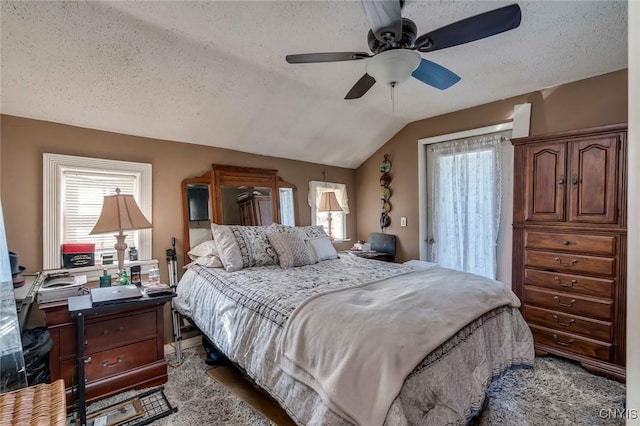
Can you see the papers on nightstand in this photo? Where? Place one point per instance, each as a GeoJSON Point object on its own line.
{"type": "Point", "coordinates": [61, 290]}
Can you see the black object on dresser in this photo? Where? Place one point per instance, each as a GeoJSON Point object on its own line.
{"type": "Point", "coordinates": [569, 244]}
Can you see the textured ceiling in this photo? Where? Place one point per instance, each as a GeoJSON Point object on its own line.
{"type": "Point", "coordinates": [214, 73]}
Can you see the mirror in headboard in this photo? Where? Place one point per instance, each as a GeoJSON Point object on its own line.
{"type": "Point", "coordinates": [234, 195]}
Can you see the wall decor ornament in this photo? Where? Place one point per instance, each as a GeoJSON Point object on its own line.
{"type": "Point", "coordinates": [385, 193]}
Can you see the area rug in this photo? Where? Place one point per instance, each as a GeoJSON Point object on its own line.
{"type": "Point", "coordinates": [555, 392]}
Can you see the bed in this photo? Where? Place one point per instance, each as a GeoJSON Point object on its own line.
{"type": "Point", "coordinates": [247, 311]}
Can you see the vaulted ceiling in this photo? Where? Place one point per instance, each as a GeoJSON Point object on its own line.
{"type": "Point", "coordinates": [214, 73]}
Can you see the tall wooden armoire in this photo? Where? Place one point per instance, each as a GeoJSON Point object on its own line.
{"type": "Point", "coordinates": [569, 244]}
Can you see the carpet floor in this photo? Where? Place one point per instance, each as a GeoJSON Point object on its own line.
{"type": "Point", "coordinates": [555, 392]}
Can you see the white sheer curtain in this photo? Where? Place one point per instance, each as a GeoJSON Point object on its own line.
{"type": "Point", "coordinates": [466, 184]}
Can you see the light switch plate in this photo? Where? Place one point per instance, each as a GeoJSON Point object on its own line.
{"type": "Point", "coordinates": [403, 221]}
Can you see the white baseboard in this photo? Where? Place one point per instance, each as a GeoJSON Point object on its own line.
{"type": "Point", "coordinates": [170, 348]}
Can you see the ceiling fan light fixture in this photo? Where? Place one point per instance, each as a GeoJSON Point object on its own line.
{"type": "Point", "coordinates": [392, 67]}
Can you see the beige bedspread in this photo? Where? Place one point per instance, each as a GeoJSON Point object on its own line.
{"type": "Point", "coordinates": [356, 346]}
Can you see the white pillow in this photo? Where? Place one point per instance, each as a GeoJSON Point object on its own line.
{"type": "Point", "coordinates": [323, 248]}
{"type": "Point", "coordinates": [207, 248]}
{"type": "Point", "coordinates": [209, 261]}
{"type": "Point", "coordinates": [227, 246]}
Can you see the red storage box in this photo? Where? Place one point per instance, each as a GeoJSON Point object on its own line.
{"type": "Point", "coordinates": [75, 255]}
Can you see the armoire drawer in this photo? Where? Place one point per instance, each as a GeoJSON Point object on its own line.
{"type": "Point", "coordinates": [105, 334]}
{"type": "Point", "coordinates": [598, 287]}
{"type": "Point", "coordinates": [595, 329]}
{"type": "Point", "coordinates": [588, 244]}
{"type": "Point", "coordinates": [569, 303]}
{"type": "Point", "coordinates": [572, 343]}
{"type": "Point", "coordinates": [570, 263]}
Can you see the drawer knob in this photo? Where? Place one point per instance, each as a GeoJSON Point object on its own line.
{"type": "Point", "coordinates": [89, 360]}
{"type": "Point", "coordinates": [105, 331]}
{"type": "Point", "coordinates": [106, 363]}
{"type": "Point", "coordinates": [566, 243]}
{"type": "Point", "coordinates": [565, 324]}
{"type": "Point", "coordinates": [562, 343]}
{"type": "Point", "coordinates": [121, 328]}
{"type": "Point", "coordinates": [568, 265]}
{"type": "Point", "coordinates": [564, 305]}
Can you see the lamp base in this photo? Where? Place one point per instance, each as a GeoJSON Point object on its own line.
{"type": "Point", "coordinates": [120, 246]}
{"type": "Point", "coordinates": [329, 223]}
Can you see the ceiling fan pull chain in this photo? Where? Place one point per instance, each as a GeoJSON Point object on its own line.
{"type": "Point", "coordinates": [393, 101]}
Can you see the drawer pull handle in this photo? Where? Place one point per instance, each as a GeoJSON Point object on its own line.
{"type": "Point", "coordinates": [566, 324]}
{"type": "Point", "coordinates": [574, 181]}
{"type": "Point", "coordinates": [105, 363]}
{"type": "Point", "coordinates": [564, 305]}
{"type": "Point", "coordinates": [561, 181]}
{"type": "Point", "coordinates": [121, 328]}
{"type": "Point", "coordinates": [568, 285]}
{"type": "Point", "coordinates": [89, 360]}
{"type": "Point", "coordinates": [568, 265]}
{"type": "Point", "coordinates": [567, 243]}
{"type": "Point", "coordinates": [561, 343]}
{"type": "Point", "coordinates": [105, 332]}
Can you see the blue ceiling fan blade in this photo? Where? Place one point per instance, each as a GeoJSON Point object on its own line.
{"type": "Point", "coordinates": [435, 75]}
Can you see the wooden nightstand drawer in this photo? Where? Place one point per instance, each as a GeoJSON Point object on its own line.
{"type": "Point", "coordinates": [588, 244]}
{"type": "Point", "coordinates": [570, 263]}
{"type": "Point", "coordinates": [112, 362]}
{"type": "Point", "coordinates": [599, 287]}
{"type": "Point", "coordinates": [595, 329]}
{"type": "Point", "coordinates": [569, 303]}
{"type": "Point", "coordinates": [105, 334]}
{"type": "Point", "coordinates": [571, 343]}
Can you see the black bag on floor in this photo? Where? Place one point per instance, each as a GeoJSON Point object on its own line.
{"type": "Point", "coordinates": [36, 345]}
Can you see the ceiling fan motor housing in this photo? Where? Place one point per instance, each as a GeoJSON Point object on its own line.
{"type": "Point", "coordinates": [409, 33]}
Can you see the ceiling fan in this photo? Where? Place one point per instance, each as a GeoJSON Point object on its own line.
{"type": "Point", "coordinates": [395, 47]}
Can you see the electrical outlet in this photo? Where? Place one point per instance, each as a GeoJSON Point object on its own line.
{"type": "Point", "coordinates": [403, 221]}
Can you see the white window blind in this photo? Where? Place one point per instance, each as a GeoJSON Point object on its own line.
{"type": "Point", "coordinates": [83, 195]}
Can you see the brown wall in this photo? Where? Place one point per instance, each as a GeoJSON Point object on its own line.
{"type": "Point", "coordinates": [25, 140]}
{"type": "Point", "coordinates": [586, 103]}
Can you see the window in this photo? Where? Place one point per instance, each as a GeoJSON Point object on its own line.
{"type": "Point", "coordinates": [464, 212]}
{"type": "Point", "coordinates": [73, 190]}
{"type": "Point", "coordinates": [338, 219]}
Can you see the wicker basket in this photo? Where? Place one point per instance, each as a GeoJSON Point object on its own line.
{"type": "Point", "coordinates": [43, 404]}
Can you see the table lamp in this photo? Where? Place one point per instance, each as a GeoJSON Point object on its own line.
{"type": "Point", "coordinates": [120, 212]}
{"type": "Point", "coordinates": [329, 203]}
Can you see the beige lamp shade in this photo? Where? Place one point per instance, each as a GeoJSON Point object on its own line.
{"type": "Point", "coordinates": [120, 212]}
{"type": "Point", "coordinates": [329, 202]}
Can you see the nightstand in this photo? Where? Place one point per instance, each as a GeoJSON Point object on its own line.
{"type": "Point", "coordinates": [123, 346]}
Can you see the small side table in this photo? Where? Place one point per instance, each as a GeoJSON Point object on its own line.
{"type": "Point", "coordinates": [81, 306]}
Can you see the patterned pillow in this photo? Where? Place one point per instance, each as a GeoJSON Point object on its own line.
{"type": "Point", "coordinates": [244, 246]}
{"type": "Point", "coordinates": [255, 248]}
{"type": "Point", "coordinates": [305, 232]}
{"type": "Point", "coordinates": [291, 249]}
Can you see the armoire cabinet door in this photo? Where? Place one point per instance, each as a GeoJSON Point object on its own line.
{"type": "Point", "coordinates": [545, 182]}
{"type": "Point", "coordinates": [593, 176]}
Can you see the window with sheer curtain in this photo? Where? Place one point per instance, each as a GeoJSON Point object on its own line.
{"type": "Point", "coordinates": [465, 212]}
{"type": "Point", "coordinates": [338, 219]}
{"type": "Point", "coordinates": [74, 190]}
